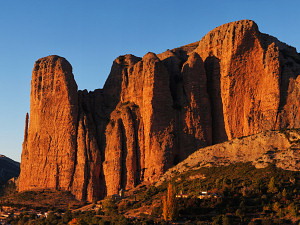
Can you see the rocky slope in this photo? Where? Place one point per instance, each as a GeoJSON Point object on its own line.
{"type": "Point", "coordinates": [153, 112]}
{"type": "Point", "coordinates": [281, 148]}
{"type": "Point", "coordinates": [8, 169]}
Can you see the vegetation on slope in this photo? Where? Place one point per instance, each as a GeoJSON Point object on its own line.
{"type": "Point", "coordinates": [243, 195]}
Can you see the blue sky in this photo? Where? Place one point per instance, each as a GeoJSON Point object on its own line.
{"type": "Point", "coordinates": [91, 34]}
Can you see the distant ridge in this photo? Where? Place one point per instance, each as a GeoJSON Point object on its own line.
{"type": "Point", "coordinates": [8, 169]}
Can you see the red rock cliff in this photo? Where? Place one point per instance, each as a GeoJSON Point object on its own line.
{"type": "Point", "coordinates": [155, 111]}
{"type": "Point", "coordinates": [60, 150]}
{"type": "Point", "coordinates": [251, 77]}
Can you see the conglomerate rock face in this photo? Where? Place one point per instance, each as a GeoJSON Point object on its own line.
{"type": "Point", "coordinates": [49, 145]}
{"type": "Point", "coordinates": [60, 149]}
{"type": "Point", "coordinates": [252, 78]}
{"type": "Point", "coordinates": [153, 112]}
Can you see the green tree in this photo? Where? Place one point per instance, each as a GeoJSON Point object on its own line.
{"type": "Point", "coordinates": [226, 220]}
{"type": "Point", "coordinates": [152, 190]}
{"type": "Point", "coordinates": [165, 208]}
{"type": "Point", "coordinates": [217, 220]}
{"type": "Point", "coordinates": [110, 207]}
{"type": "Point", "coordinates": [284, 193]}
{"type": "Point", "coordinates": [293, 209]}
{"type": "Point", "coordinates": [169, 204]}
{"type": "Point", "coordinates": [240, 213]}
{"type": "Point", "coordinates": [217, 183]}
{"type": "Point", "coordinates": [52, 218]}
{"type": "Point", "coordinates": [276, 207]}
{"type": "Point", "coordinates": [67, 216]}
{"type": "Point", "coordinates": [272, 186]}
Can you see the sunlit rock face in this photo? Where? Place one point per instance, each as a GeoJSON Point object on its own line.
{"type": "Point", "coordinates": [60, 148]}
{"type": "Point", "coordinates": [252, 78]}
{"type": "Point", "coordinates": [155, 111]}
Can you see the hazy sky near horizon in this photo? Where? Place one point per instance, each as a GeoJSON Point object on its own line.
{"type": "Point", "coordinates": [90, 34]}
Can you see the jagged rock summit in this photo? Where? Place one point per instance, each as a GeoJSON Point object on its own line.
{"type": "Point", "coordinates": [153, 112]}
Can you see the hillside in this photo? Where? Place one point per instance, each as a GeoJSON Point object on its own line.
{"type": "Point", "coordinates": [240, 192]}
{"type": "Point", "coordinates": [281, 148]}
{"type": "Point", "coordinates": [8, 169]}
{"type": "Point", "coordinates": [237, 193]}
{"type": "Point", "coordinates": [247, 180]}
{"type": "Point", "coordinates": [237, 175]}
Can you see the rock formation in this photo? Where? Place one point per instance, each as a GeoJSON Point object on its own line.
{"type": "Point", "coordinates": [57, 148]}
{"type": "Point", "coordinates": [255, 75]}
{"type": "Point", "coordinates": [153, 112]}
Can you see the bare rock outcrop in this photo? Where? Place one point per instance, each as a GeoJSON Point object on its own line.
{"type": "Point", "coordinates": [251, 79]}
{"type": "Point", "coordinates": [59, 151]}
{"type": "Point", "coordinates": [153, 112]}
{"type": "Point", "coordinates": [279, 148]}
{"type": "Point", "coordinates": [48, 155]}
{"type": "Point", "coordinates": [161, 107]}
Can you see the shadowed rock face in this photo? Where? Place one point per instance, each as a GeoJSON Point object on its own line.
{"type": "Point", "coordinates": [8, 169]}
{"type": "Point", "coordinates": [155, 111]}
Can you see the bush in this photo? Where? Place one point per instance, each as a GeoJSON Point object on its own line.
{"type": "Point", "coordinates": [226, 220]}
{"type": "Point", "coordinates": [110, 207]}
{"type": "Point", "coordinates": [151, 191]}
{"type": "Point", "coordinates": [293, 210]}
{"type": "Point", "coordinates": [156, 212]}
{"type": "Point", "coordinates": [240, 213]}
{"type": "Point", "coordinates": [272, 187]}
{"type": "Point", "coordinates": [67, 216]}
{"type": "Point", "coordinates": [217, 220]}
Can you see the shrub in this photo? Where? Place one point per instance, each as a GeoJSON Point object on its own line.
{"type": "Point", "coordinates": [217, 220]}
{"type": "Point", "coordinates": [272, 187]}
{"type": "Point", "coordinates": [110, 207]}
{"type": "Point", "coordinates": [293, 209]}
{"type": "Point", "coordinates": [151, 191]}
